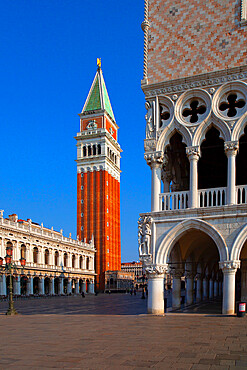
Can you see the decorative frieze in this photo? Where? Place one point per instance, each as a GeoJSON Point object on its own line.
{"type": "Point", "coordinates": [214, 79]}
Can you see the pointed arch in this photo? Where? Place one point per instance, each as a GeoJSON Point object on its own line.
{"type": "Point", "coordinates": [238, 244]}
{"type": "Point", "coordinates": [174, 234]}
{"type": "Point", "coordinates": [168, 132]}
{"type": "Point", "coordinates": [221, 126]}
{"type": "Point", "coordinates": [238, 129]}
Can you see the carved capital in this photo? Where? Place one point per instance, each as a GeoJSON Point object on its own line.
{"type": "Point", "coordinates": [154, 158]}
{"type": "Point", "coordinates": [189, 275]}
{"type": "Point", "coordinates": [156, 270]}
{"type": "Point", "coordinates": [229, 266]}
{"type": "Point", "coordinates": [231, 148]}
{"type": "Point", "coordinates": [177, 273]}
{"type": "Point", "coordinates": [193, 152]}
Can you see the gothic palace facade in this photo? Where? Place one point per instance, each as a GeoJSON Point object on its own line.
{"type": "Point", "coordinates": [54, 264]}
{"type": "Point", "coordinates": [195, 86]}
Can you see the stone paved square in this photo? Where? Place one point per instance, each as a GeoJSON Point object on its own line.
{"type": "Point", "coordinates": [114, 331]}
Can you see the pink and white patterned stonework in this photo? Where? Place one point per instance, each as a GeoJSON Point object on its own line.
{"type": "Point", "coordinates": [191, 37]}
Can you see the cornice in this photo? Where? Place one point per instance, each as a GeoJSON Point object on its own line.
{"type": "Point", "coordinates": [180, 85]}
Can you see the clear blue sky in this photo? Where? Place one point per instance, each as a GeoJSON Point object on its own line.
{"type": "Point", "coordinates": [48, 61]}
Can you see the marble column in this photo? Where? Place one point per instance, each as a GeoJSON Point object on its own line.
{"type": "Point", "coordinates": [51, 286]}
{"type": "Point", "coordinates": [199, 287]}
{"type": "Point", "coordinates": [60, 286]}
{"type": "Point", "coordinates": [155, 160]}
{"type": "Point", "coordinates": [189, 288]}
{"type": "Point", "coordinates": [231, 149]}
{"type": "Point", "coordinates": [205, 288]}
{"type": "Point", "coordinates": [176, 288]}
{"type": "Point", "coordinates": [211, 288]}
{"type": "Point", "coordinates": [156, 186]}
{"type": "Point", "coordinates": [229, 269]}
{"type": "Point", "coordinates": [41, 286]}
{"type": "Point", "coordinates": [77, 286]}
{"type": "Point", "coordinates": [30, 286]}
{"type": "Point", "coordinates": [216, 288]}
{"type": "Point", "coordinates": [193, 154]}
{"type": "Point", "coordinates": [69, 286]}
{"type": "Point", "coordinates": [91, 287]}
{"type": "Point", "coordinates": [156, 276]}
{"type": "Point", "coordinates": [84, 290]}
{"type": "Point", "coordinates": [3, 285]}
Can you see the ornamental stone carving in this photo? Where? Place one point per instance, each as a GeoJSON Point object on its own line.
{"type": "Point", "coordinates": [229, 266]}
{"type": "Point", "coordinates": [193, 152]}
{"type": "Point", "coordinates": [229, 102]}
{"type": "Point", "coordinates": [193, 107]}
{"type": "Point", "coordinates": [189, 275]}
{"type": "Point", "coordinates": [150, 145]}
{"type": "Point", "coordinates": [176, 273]}
{"type": "Point", "coordinates": [154, 270]}
{"type": "Point", "coordinates": [231, 147]}
{"type": "Point", "coordinates": [150, 126]}
{"type": "Point", "coordinates": [144, 236]}
{"type": "Point", "coordinates": [155, 158]}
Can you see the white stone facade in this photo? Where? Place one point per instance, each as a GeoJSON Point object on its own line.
{"type": "Point", "coordinates": [196, 230]}
{"type": "Point", "coordinates": [54, 264]}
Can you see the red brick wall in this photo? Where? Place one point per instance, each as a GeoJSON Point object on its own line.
{"type": "Point", "coordinates": [191, 37]}
{"type": "Point", "coordinates": [95, 219]}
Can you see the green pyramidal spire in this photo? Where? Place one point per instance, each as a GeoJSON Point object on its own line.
{"type": "Point", "coordinates": [98, 98]}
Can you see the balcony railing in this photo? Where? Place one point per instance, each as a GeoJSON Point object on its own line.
{"type": "Point", "coordinates": [174, 200]}
{"type": "Point", "coordinates": [206, 198]}
{"type": "Point", "coordinates": [212, 197]}
{"type": "Point", "coordinates": [241, 194]}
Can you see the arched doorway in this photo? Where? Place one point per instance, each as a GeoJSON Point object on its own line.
{"type": "Point", "coordinates": [47, 257]}
{"type": "Point", "coordinates": [56, 258]}
{"type": "Point", "coordinates": [194, 268]}
{"type": "Point", "coordinates": [35, 254]}
{"type": "Point", "coordinates": [192, 250]}
{"type": "Point", "coordinates": [73, 286]}
{"type": "Point", "coordinates": [80, 286]}
{"type": "Point", "coordinates": [47, 285]}
{"type": "Point", "coordinates": [65, 259]}
{"type": "Point", "coordinates": [56, 285]}
{"type": "Point", "coordinates": [23, 282]}
{"type": "Point", "coordinates": [87, 285]}
{"type": "Point", "coordinates": [23, 251]}
{"type": "Point", "coordinates": [65, 286]}
{"type": "Point", "coordinates": [36, 285]}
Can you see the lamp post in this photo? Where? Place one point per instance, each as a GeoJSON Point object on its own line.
{"type": "Point", "coordinates": [9, 266]}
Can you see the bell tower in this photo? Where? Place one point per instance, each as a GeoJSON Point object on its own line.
{"type": "Point", "coordinates": [98, 179]}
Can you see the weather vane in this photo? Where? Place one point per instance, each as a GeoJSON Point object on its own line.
{"type": "Point", "coordinates": [99, 62]}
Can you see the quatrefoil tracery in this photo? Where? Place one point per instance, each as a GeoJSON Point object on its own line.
{"type": "Point", "coordinates": [196, 109]}
{"type": "Point", "coordinates": [232, 105]}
